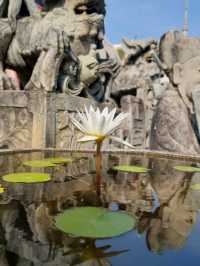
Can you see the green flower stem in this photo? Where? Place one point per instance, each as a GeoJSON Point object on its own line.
{"type": "Point", "coordinates": [98, 167]}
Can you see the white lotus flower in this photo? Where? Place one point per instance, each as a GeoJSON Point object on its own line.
{"type": "Point", "coordinates": [97, 125]}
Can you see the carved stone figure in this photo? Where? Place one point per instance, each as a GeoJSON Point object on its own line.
{"type": "Point", "coordinates": [174, 125]}
{"type": "Point", "coordinates": [137, 87]}
{"type": "Point", "coordinates": [60, 50]}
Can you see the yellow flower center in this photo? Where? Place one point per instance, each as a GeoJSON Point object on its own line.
{"type": "Point", "coordinates": [99, 137]}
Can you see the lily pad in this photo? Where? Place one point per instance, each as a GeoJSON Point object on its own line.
{"type": "Point", "coordinates": [195, 187]}
{"type": "Point", "coordinates": [94, 222]}
{"type": "Point", "coordinates": [59, 160]}
{"type": "Point", "coordinates": [48, 162]}
{"type": "Point", "coordinates": [184, 168]}
{"type": "Point", "coordinates": [131, 168]}
{"type": "Point", "coordinates": [39, 163]}
{"type": "Point", "coordinates": [27, 177]}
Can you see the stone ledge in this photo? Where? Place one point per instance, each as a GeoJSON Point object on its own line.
{"type": "Point", "coordinates": [142, 152]}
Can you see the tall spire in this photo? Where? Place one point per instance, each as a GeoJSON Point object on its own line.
{"type": "Point", "coordinates": [186, 18]}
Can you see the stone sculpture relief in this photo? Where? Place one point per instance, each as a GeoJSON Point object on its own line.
{"type": "Point", "coordinates": [59, 50]}
{"type": "Point", "coordinates": [174, 125]}
{"type": "Point", "coordinates": [62, 49]}
{"type": "Point", "coordinates": [15, 127]}
{"type": "Point", "coordinates": [66, 134]}
{"type": "Point", "coordinates": [137, 87]}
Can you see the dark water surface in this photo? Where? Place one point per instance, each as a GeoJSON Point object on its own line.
{"type": "Point", "coordinates": [166, 208]}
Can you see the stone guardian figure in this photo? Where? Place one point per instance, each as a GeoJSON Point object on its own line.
{"type": "Point", "coordinates": [174, 126]}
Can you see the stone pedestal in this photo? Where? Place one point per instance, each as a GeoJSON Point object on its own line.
{"type": "Point", "coordinates": [39, 120]}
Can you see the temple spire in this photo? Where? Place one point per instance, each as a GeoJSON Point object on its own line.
{"type": "Point", "coordinates": [186, 18]}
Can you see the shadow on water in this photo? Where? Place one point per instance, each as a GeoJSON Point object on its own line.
{"type": "Point", "coordinates": [162, 200]}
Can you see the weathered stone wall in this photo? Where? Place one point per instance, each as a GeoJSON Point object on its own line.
{"type": "Point", "coordinates": [42, 120]}
{"type": "Point", "coordinates": [39, 120]}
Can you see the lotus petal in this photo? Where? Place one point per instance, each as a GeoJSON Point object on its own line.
{"type": "Point", "coordinates": [121, 141]}
{"type": "Point", "coordinates": [98, 124]}
{"type": "Point", "coordinates": [78, 125]}
{"type": "Point", "coordinates": [87, 138]}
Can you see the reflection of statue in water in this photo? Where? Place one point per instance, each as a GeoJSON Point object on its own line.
{"type": "Point", "coordinates": [171, 223]}
{"type": "Point", "coordinates": [174, 123]}
{"type": "Point", "coordinates": [60, 50]}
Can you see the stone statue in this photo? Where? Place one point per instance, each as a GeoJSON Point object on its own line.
{"type": "Point", "coordinates": [174, 126]}
{"type": "Point", "coordinates": [59, 50]}
{"type": "Point", "coordinates": [135, 88]}
{"type": "Point", "coordinates": [12, 9]}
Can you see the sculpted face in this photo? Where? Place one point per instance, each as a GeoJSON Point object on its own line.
{"type": "Point", "coordinates": [187, 75]}
{"type": "Point", "coordinates": [87, 24]}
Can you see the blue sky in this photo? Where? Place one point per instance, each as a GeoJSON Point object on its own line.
{"type": "Point", "coordinates": [148, 18]}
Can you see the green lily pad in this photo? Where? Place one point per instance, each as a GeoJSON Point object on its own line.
{"type": "Point", "coordinates": [195, 187]}
{"type": "Point", "coordinates": [131, 168]}
{"type": "Point", "coordinates": [59, 160]}
{"type": "Point", "coordinates": [27, 177]}
{"type": "Point", "coordinates": [48, 162]}
{"type": "Point", "coordinates": [94, 222]}
{"type": "Point", "coordinates": [184, 168]}
{"type": "Point", "coordinates": [39, 163]}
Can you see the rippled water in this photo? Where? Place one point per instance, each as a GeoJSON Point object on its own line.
{"type": "Point", "coordinates": [167, 231]}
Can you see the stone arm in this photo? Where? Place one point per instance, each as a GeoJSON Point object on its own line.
{"type": "Point", "coordinates": [14, 8]}
{"type": "Point", "coordinates": [92, 74]}
{"type": "Point", "coordinates": [53, 49]}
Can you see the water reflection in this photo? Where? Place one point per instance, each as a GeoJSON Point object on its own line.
{"type": "Point", "coordinates": [162, 201]}
{"type": "Point", "coordinates": [86, 250]}
{"type": "Point", "coordinates": [171, 223]}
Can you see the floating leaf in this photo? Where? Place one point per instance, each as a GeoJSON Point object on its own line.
{"type": "Point", "coordinates": [27, 177]}
{"type": "Point", "coordinates": [94, 222]}
{"type": "Point", "coordinates": [59, 160]}
{"type": "Point", "coordinates": [39, 163]}
{"type": "Point", "coordinates": [131, 168]}
{"type": "Point", "coordinates": [184, 168]}
{"type": "Point", "coordinates": [48, 162]}
{"type": "Point", "coordinates": [195, 187]}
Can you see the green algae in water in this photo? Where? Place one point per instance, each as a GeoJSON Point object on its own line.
{"type": "Point", "coordinates": [188, 169]}
{"type": "Point", "coordinates": [27, 178]}
{"type": "Point", "coordinates": [94, 222]}
{"type": "Point", "coordinates": [131, 168]}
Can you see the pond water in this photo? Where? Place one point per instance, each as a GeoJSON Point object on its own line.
{"type": "Point", "coordinates": [164, 204]}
